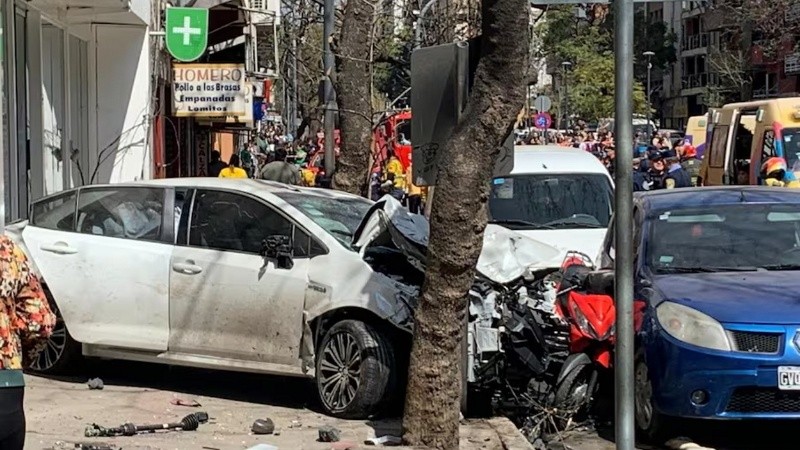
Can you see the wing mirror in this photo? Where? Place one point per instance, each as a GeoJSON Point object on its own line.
{"type": "Point", "coordinates": [279, 248]}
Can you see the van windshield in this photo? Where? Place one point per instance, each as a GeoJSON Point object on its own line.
{"type": "Point", "coordinates": [791, 148]}
{"type": "Point", "coordinates": [551, 201]}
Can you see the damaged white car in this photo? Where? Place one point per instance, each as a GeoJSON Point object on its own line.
{"type": "Point", "coordinates": [250, 276]}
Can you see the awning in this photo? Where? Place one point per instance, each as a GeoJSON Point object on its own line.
{"type": "Point", "coordinates": [133, 12]}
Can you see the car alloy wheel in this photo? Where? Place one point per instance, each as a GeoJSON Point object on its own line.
{"type": "Point", "coordinates": [54, 349]}
{"type": "Point", "coordinates": [644, 397]}
{"type": "Point", "coordinates": [340, 371]}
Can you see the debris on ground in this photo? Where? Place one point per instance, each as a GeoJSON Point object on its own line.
{"type": "Point", "coordinates": [263, 447]}
{"type": "Point", "coordinates": [263, 426]}
{"type": "Point", "coordinates": [296, 424]}
{"type": "Point", "coordinates": [185, 402]}
{"type": "Point", "coordinates": [188, 423]}
{"type": "Point", "coordinates": [387, 440]}
{"type": "Point", "coordinates": [683, 443]}
{"type": "Point", "coordinates": [95, 383]}
{"type": "Point", "coordinates": [344, 445]}
{"type": "Point", "coordinates": [83, 446]}
{"type": "Point", "coordinates": [329, 434]}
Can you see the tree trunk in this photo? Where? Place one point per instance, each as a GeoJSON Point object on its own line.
{"type": "Point", "coordinates": [458, 220]}
{"type": "Point", "coordinates": [353, 96]}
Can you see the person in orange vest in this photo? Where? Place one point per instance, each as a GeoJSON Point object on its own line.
{"type": "Point", "coordinates": [415, 195]}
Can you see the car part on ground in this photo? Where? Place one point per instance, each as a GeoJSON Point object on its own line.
{"type": "Point", "coordinates": [188, 423]}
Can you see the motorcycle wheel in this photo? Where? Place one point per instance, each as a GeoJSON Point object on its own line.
{"type": "Point", "coordinates": [574, 393]}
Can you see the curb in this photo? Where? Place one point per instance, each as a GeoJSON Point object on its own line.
{"type": "Point", "coordinates": [510, 436]}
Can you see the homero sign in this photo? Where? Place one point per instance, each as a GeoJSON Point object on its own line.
{"type": "Point", "coordinates": [186, 32]}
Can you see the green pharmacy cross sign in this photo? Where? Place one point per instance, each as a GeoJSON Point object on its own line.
{"type": "Point", "coordinates": [186, 32]}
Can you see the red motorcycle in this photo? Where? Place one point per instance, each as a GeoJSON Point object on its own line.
{"type": "Point", "coordinates": [584, 301]}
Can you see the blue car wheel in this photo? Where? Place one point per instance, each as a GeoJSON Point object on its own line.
{"type": "Point", "coordinates": [650, 424]}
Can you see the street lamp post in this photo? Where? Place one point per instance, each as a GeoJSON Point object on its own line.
{"type": "Point", "coordinates": [648, 54]}
{"type": "Point", "coordinates": [566, 65]}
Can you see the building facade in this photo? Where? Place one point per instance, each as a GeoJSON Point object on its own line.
{"type": "Point", "coordinates": [77, 93]}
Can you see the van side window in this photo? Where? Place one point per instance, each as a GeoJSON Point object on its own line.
{"type": "Point", "coordinates": [768, 147]}
{"type": "Point", "coordinates": [718, 141]}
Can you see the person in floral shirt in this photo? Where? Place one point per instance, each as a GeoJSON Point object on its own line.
{"type": "Point", "coordinates": [26, 322]}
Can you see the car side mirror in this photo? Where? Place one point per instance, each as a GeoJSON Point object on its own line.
{"type": "Point", "coordinates": [279, 248]}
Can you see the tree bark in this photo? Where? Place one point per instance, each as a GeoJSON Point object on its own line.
{"type": "Point", "coordinates": [353, 96]}
{"type": "Point", "coordinates": [458, 220]}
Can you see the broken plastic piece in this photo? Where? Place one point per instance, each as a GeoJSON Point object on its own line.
{"type": "Point", "coordinates": [384, 440]}
{"type": "Point", "coordinates": [185, 402]}
{"type": "Point", "coordinates": [263, 447]}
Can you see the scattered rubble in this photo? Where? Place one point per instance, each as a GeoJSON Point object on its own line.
{"type": "Point", "coordinates": [95, 383]}
{"type": "Point", "coordinates": [185, 402]}
{"type": "Point", "coordinates": [329, 434]}
{"type": "Point", "coordinates": [263, 426]}
{"type": "Point", "coordinates": [384, 440]}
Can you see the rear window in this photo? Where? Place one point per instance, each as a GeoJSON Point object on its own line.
{"type": "Point", "coordinates": [56, 212]}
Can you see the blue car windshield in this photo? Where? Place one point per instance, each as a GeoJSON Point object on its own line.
{"type": "Point", "coordinates": [741, 237]}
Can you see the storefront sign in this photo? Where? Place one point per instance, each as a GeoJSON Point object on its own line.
{"type": "Point", "coordinates": [186, 32]}
{"type": "Point", "coordinates": [212, 91]}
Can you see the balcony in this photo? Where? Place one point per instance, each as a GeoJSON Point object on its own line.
{"type": "Point", "coordinates": [695, 41]}
{"type": "Point", "coordinates": [793, 13]}
{"type": "Point", "coordinates": [699, 80]}
{"type": "Point", "coordinates": [766, 92]}
{"type": "Point", "coordinates": [791, 64]}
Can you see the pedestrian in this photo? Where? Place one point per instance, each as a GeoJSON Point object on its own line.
{"type": "Point", "coordinates": [280, 170]}
{"type": "Point", "coordinates": [26, 322]}
{"type": "Point", "coordinates": [655, 172]}
{"type": "Point", "coordinates": [233, 170]}
{"type": "Point", "coordinates": [639, 179]}
{"type": "Point", "coordinates": [216, 164]}
{"type": "Point", "coordinates": [675, 176]}
{"type": "Point", "coordinates": [414, 193]}
{"type": "Point", "coordinates": [690, 163]}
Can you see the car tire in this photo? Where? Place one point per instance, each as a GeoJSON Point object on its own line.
{"type": "Point", "coordinates": [61, 353]}
{"type": "Point", "coordinates": [651, 425]}
{"type": "Point", "coordinates": [365, 358]}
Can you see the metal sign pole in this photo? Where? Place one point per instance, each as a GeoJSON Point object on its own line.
{"type": "Point", "coordinates": [624, 260]}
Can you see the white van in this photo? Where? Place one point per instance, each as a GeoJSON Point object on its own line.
{"type": "Point", "coordinates": [560, 196]}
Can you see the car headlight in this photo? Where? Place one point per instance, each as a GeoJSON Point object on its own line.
{"type": "Point", "coordinates": [692, 327]}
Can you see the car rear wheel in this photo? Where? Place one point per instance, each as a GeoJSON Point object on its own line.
{"type": "Point", "coordinates": [61, 351]}
{"type": "Point", "coordinates": [355, 370]}
{"type": "Point", "coordinates": [650, 424]}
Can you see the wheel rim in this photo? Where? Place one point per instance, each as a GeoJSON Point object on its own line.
{"type": "Point", "coordinates": [644, 397]}
{"type": "Point", "coordinates": [54, 349]}
{"type": "Point", "coordinates": [339, 371]}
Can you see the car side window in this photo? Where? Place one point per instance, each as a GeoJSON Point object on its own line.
{"type": "Point", "coordinates": [121, 212]}
{"type": "Point", "coordinates": [227, 221]}
{"type": "Point", "coordinates": [182, 205]}
{"type": "Point", "coordinates": [55, 213]}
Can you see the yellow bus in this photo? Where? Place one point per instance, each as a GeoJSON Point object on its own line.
{"type": "Point", "coordinates": [744, 135]}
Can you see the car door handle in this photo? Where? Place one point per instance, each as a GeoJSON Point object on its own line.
{"type": "Point", "coordinates": [59, 248]}
{"type": "Point", "coordinates": [187, 268]}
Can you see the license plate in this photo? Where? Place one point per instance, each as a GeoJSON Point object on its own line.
{"type": "Point", "coordinates": [789, 378]}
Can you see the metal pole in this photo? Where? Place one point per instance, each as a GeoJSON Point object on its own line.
{"type": "Point", "coordinates": [330, 157]}
{"type": "Point", "coordinates": [648, 91]}
{"type": "Point", "coordinates": [566, 100]}
{"type": "Point", "coordinates": [623, 264]}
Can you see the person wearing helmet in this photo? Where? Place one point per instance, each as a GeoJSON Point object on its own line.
{"type": "Point", "coordinates": [690, 163]}
{"type": "Point", "coordinates": [675, 176]}
{"type": "Point", "coordinates": [774, 173]}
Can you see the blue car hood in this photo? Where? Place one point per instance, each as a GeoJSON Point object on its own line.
{"type": "Point", "coordinates": [743, 297]}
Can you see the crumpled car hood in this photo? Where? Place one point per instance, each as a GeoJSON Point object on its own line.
{"type": "Point", "coordinates": [506, 255]}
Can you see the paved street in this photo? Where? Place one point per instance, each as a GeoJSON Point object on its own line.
{"type": "Point", "coordinates": [59, 410]}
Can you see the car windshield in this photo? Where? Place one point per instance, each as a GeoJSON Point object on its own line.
{"type": "Point", "coordinates": [551, 201]}
{"type": "Point", "coordinates": [791, 147]}
{"type": "Point", "coordinates": [339, 216]}
{"type": "Point", "coordinates": [744, 237]}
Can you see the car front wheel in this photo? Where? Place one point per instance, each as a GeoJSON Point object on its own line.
{"type": "Point", "coordinates": [650, 424]}
{"type": "Point", "coordinates": [355, 370]}
{"type": "Point", "coordinates": [61, 351]}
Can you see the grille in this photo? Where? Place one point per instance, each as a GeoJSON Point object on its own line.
{"type": "Point", "coordinates": [756, 342]}
{"type": "Point", "coordinates": [763, 400]}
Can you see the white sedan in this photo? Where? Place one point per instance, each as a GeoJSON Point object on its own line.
{"type": "Point", "coordinates": [240, 275]}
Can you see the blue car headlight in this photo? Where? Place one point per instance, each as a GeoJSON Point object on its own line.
{"type": "Point", "coordinates": [692, 327]}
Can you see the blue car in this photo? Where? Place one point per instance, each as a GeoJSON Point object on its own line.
{"type": "Point", "coordinates": [717, 289]}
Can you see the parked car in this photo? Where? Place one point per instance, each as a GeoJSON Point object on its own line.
{"type": "Point", "coordinates": [562, 196]}
{"type": "Point", "coordinates": [717, 314]}
{"type": "Point", "coordinates": [244, 275]}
